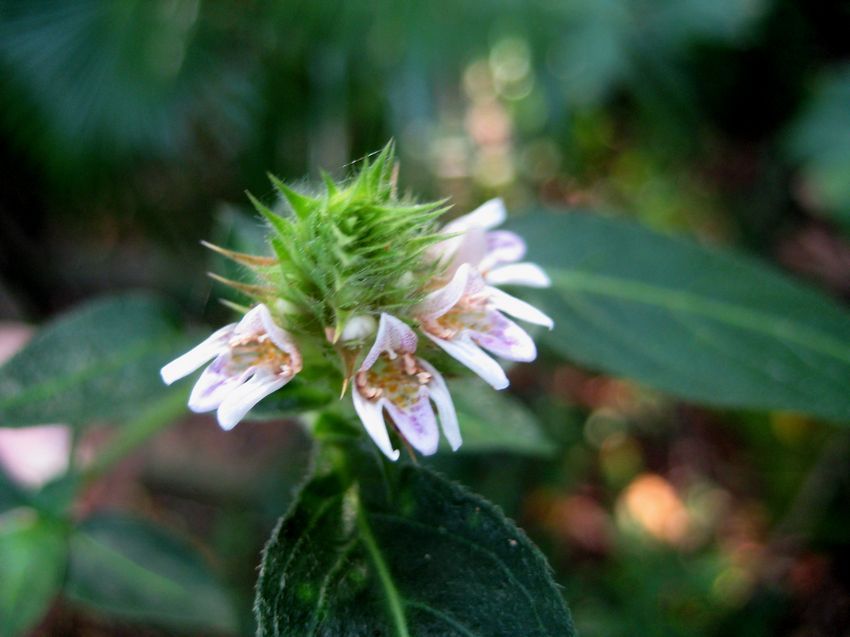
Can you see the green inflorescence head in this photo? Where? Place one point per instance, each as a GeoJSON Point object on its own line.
{"type": "Point", "coordinates": [356, 249]}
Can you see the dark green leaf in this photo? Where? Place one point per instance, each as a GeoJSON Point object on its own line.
{"type": "Point", "coordinates": [32, 560]}
{"type": "Point", "coordinates": [398, 550]}
{"type": "Point", "coordinates": [703, 323]}
{"type": "Point", "coordinates": [11, 495]}
{"type": "Point", "coordinates": [494, 421]}
{"type": "Point", "coordinates": [131, 569]}
{"type": "Point", "coordinates": [100, 361]}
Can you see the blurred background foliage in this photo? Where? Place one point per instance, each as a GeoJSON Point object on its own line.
{"type": "Point", "coordinates": [129, 130]}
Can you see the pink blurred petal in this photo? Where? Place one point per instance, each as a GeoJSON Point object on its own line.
{"type": "Point", "coordinates": [32, 456]}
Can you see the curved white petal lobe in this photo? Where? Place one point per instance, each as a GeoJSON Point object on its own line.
{"type": "Point", "coordinates": [465, 351]}
{"type": "Point", "coordinates": [372, 416]}
{"type": "Point", "coordinates": [488, 215]}
{"type": "Point", "coordinates": [197, 356]}
{"type": "Point", "coordinates": [242, 398]}
{"type": "Point", "coordinates": [520, 309]}
{"type": "Point", "coordinates": [439, 393]}
{"type": "Point", "coordinates": [528, 274]}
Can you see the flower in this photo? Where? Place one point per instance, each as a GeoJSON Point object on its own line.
{"type": "Point", "coordinates": [358, 262]}
{"type": "Point", "coordinates": [391, 378]}
{"type": "Point", "coordinates": [495, 253]}
{"type": "Point", "coordinates": [466, 314]}
{"type": "Point", "coordinates": [253, 358]}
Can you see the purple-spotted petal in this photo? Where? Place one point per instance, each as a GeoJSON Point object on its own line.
{"type": "Point", "coordinates": [520, 309]}
{"type": "Point", "coordinates": [213, 385]}
{"type": "Point", "coordinates": [197, 356]}
{"type": "Point", "coordinates": [528, 274]}
{"type": "Point", "coordinates": [486, 216]}
{"type": "Point", "coordinates": [506, 339]}
{"type": "Point", "coordinates": [502, 246]}
{"type": "Point", "coordinates": [372, 416]}
{"type": "Point", "coordinates": [242, 398]}
{"type": "Point", "coordinates": [417, 423]}
{"type": "Point", "coordinates": [393, 337]}
{"type": "Point", "coordinates": [468, 353]}
{"type": "Point", "coordinates": [439, 393]}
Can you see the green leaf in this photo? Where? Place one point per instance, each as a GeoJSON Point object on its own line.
{"type": "Point", "coordinates": [100, 361]}
{"type": "Point", "coordinates": [398, 550]}
{"type": "Point", "coordinates": [11, 495]}
{"type": "Point", "coordinates": [494, 421]}
{"type": "Point", "coordinates": [702, 323]}
{"type": "Point", "coordinates": [32, 560]}
{"type": "Point", "coordinates": [132, 569]}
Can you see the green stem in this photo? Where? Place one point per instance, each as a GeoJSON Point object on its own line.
{"type": "Point", "coordinates": [149, 422]}
{"type": "Point", "coordinates": [393, 596]}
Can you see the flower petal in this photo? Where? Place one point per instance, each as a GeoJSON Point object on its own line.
{"type": "Point", "coordinates": [279, 336]}
{"type": "Point", "coordinates": [439, 393]}
{"type": "Point", "coordinates": [393, 337]}
{"type": "Point", "coordinates": [520, 309]}
{"type": "Point", "coordinates": [417, 423]}
{"type": "Point", "coordinates": [465, 282]}
{"type": "Point", "coordinates": [197, 356]}
{"type": "Point", "coordinates": [372, 416]}
{"type": "Point", "coordinates": [33, 456]}
{"type": "Point", "coordinates": [506, 339]}
{"type": "Point", "coordinates": [528, 274]}
{"type": "Point", "coordinates": [213, 385]}
{"type": "Point", "coordinates": [465, 351]}
{"type": "Point", "coordinates": [502, 246]}
{"type": "Point", "coordinates": [470, 247]}
{"type": "Point", "coordinates": [488, 215]}
{"type": "Point", "coordinates": [242, 398]}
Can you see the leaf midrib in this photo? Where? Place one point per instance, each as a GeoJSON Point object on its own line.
{"type": "Point", "coordinates": [394, 600]}
{"type": "Point", "coordinates": [687, 302]}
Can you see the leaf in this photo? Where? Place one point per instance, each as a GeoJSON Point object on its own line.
{"type": "Point", "coordinates": [100, 361]}
{"type": "Point", "coordinates": [494, 421]}
{"type": "Point", "coordinates": [32, 559]}
{"type": "Point", "coordinates": [702, 323]}
{"type": "Point", "coordinates": [132, 569]}
{"type": "Point", "coordinates": [94, 83]}
{"type": "Point", "coordinates": [400, 551]}
{"type": "Point", "coordinates": [11, 495]}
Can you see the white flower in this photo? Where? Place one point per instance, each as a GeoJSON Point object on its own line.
{"type": "Point", "coordinates": [495, 254]}
{"type": "Point", "coordinates": [391, 378]}
{"type": "Point", "coordinates": [466, 315]}
{"type": "Point", "coordinates": [253, 358]}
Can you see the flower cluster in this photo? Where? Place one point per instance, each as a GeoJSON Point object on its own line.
{"type": "Point", "coordinates": [359, 272]}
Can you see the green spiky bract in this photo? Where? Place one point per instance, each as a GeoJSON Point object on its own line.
{"type": "Point", "coordinates": [355, 249]}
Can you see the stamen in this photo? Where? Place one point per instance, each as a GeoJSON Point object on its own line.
{"type": "Point", "coordinates": [410, 365]}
